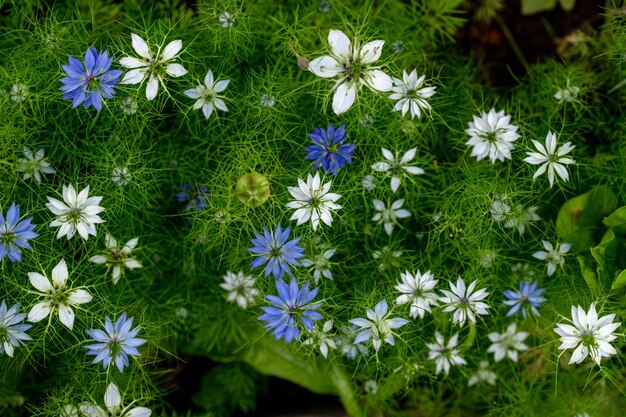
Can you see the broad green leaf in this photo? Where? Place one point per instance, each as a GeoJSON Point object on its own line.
{"type": "Point", "coordinates": [620, 281]}
{"type": "Point", "coordinates": [536, 6]}
{"type": "Point", "coordinates": [617, 220]}
{"type": "Point", "coordinates": [580, 217]}
{"type": "Point", "coordinates": [567, 5]}
{"type": "Point", "coordinates": [604, 254]}
{"type": "Point", "coordinates": [270, 358]}
{"type": "Point", "coordinates": [588, 273]}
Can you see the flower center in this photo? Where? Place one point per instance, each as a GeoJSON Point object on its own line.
{"type": "Point", "coordinates": [7, 238]}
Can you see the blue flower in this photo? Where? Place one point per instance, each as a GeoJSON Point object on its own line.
{"type": "Point", "coordinates": [276, 252]}
{"type": "Point", "coordinates": [14, 234]}
{"type": "Point", "coordinates": [291, 308]}
{"type": "Point", "coordinates": [10, 331]}
{"type": "Point", "coordinates": [116, 344]}
{"type": "Point", "coordinates": [197, 196]}
{"type": "Point", "coordinates": [91, 82]}
{"type": "Point", "coordinates": [328, 149]}
{"type": "Point", "coordinates": [527, 296]}
{"type": "Point", "coordinates": [378, 326]}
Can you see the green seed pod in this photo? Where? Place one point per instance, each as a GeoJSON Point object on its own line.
{"type": "Point", "coordinates": [253, 189]}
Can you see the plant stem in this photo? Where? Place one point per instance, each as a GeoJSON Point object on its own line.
{"type": "Point", "coordinates": [346, 394]}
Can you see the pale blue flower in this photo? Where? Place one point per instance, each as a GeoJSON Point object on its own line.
{"type": "Point", "coordinates": [115, 343]}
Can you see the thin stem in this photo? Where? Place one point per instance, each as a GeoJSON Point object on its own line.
{"type": "Point", "coordinates": [511, 39]}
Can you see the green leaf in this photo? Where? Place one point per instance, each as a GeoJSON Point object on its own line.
{"type": "Point", "coordinates": [604, 254]}
{"type": "Point", "coordinates": [536, 6]}
{"type": "Point", "coordinates": [588, 273]}
{"type": "Point", "coordinates": [620, 281]}
{"type": "Point", "coordinates": [270, 358]}
{"type": "Point", "coordinates": [617, 220]}
{"type": "Point", "coordinates": [567, 5]}
{"type": "Point", "coordinates": [580, 217]}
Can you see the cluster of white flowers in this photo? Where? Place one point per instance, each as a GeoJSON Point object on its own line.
{"type": "Point", "coordinates": [355, 67]}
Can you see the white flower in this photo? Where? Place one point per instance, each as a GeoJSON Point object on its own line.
{"type": "Point", "coordinates": [551, 158]}
{"type": "Point", "coordinates": [57, 296]}
{"type": "Point", "coordinates": [313, 201]}
{"type": "Point", "coordinates": [116, 257]}
{"type": "Point", "coordinates": [410, 95]}
{"type": "Point", "coordinates": [389, 215]}
{"type": "Point", "coordinates": [590, 335]}
{"type": "Point", "coordinates": [69, 410]}
{"type": "Point", "coordinates": [379, 327]}
{"type": "Point", "coordinates": [321, 264]}
{"type": "Point", "coordinates": [554, 257]}
{"type": "Point", "coordinates": [397, 167]}
{"type": "Point", "coordinates": [240, 288]}
{"type": "Point", "coordinates": [113, 403]}
{"type": "Point", "coordinates": [267, 100]}
{"type": "Point", "coordinates": [207, 96]}
{"type": "Point", "coordinates": [387, 256]}
{"type": "Point", "coordinates": [366, 121]}
{"type": "Point", "coordinates": [568, 94]}
{"type": "Point", "coordinates": [370, 386]}
{"type": "Point", "coordinates": [34, 164]}
{"type": "Point", "coordinates": [368, 183]}
{"type": "Point", "coordinates": [321, 338]}
{"type": "Point", "coordinates": [397, 46]}
{"type": "Point", "coordinates": [129, 106]}
{"type": "Point", "coordinates": [75, 213]}
{"type": "Point", "coordinates": [483, 374]}
{"type": "Point", "coordinates": [323, 6]}
{"type": "Point", "coordinates": [154, 67]}
{"type": "Point", "coordinates": [445, 355]}
{"type": "Point", "coordinates": [416, 289]}
{"type": "Point", "coordinates": [226, 20]}
{"type": "Point", "coordinates": [120, 176]}
{"type": "Point", "coordinates": [19, 92]}
{"type": "Point", "coordinates": [354, 67]}
{"type": "Point", "coordinates": [507, 343]}
{"type": "Point", "coordinates": [464, 301]}
{"type": "Point", "coordinates": [519, 218]}
{"type": "Point", "coordinates": [492, 136]}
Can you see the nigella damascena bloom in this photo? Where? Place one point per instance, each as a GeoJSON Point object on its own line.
{"type": "Point", "coordinates": [492, 135]}
{"type": "Point", "coordinates": [276, 252]}
{"type": "Point", "coordinates": [115, 343]}
{"type": "Point", "coordinates": [151, 66]}
{"type": "Point", "coordinates": [91, 82]}
{"type": "Point", "coordinates": [291, 308]}
{"type": "Point", "coordinates": [353, 65]}
{"type": "Point", "coordinates": [14, 234]}
{"type": "Point", "coordinates": [329, 149]}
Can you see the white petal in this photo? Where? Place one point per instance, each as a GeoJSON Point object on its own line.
{"type": "Point", "coordinates": [98, 259]}
{"type": "Point", "coordinates": [131, 62]}
{"type": "Point", "coordinates": [344, 97]}
{"type": "Point", "coordinates": [371, 51]}
{"type": "Point", "coordinates": [171, 50]}
{"type": "Point", "coordinates": [134, 76]}
{"type": "Point", "coordinates": [139, 412]}
{"type": "Point", "coordinates": [152, 88]}
{"type": "Point", "coordinates": [39, 312]}
{"type": "Point", "coordinates": [59, 273]}
{"type": "Point", "coordinates": [66, 315]}
{"type": "Point", "coordinates": [112, 398]}
{"type": "Point", "coordinates": [377, 80]}
{"type": "Point", "coordinates": [140, 46]}
{"type": "Point", "coordinates": [40, 282]}
{"type": "Point", "coordinates": [339, 44]}
{"type": "Point", "coordinates": [175, 70]}
{"type": "Point", "coordinates": [325, 66]}
{"type": "Point", "coordinates": [79, 297]}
